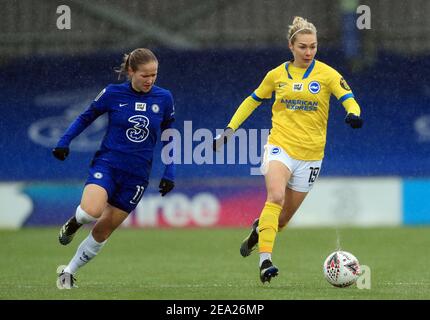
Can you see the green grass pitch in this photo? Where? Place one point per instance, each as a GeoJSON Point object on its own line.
{"type": "Point", "coordinates": [200, 264]}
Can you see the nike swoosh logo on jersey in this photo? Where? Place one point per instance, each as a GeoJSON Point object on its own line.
{"type": "Point", "coordinates": [123, 104]}
{"type": "Point", "coordinates": [282, 85]}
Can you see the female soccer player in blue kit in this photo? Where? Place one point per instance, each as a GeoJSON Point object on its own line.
{"type": "Point", "coordinates": [120, 169]}
{"type": "Point", "coordinates": [295, 148]}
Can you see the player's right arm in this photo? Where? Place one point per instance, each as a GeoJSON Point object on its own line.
{"type": "Point", "coordinates": [246, 108]}
{"type": "Point", "coordinates": [97, 108]}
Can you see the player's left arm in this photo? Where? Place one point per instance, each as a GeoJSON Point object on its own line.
{"type": "Point", "coordinates": [167, 182]}
{"type": "Point", "coordinates": [340, 88]}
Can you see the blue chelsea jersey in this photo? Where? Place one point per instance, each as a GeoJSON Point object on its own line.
{"type": "Point", "coordinates": [135, 119]}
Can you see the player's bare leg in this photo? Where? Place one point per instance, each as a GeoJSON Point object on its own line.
{"type": "Point", "coordinates": [293, 200]}
{"type": "Point", "coordinates": [93, 202]}
{"type": "Point", "coordinates": [110, 220]}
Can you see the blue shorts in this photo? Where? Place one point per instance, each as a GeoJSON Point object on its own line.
{"type": "Point", "coordinates": [124, 189]}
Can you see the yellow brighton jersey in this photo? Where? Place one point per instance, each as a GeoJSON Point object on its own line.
{"type": "Point", "coordinates": [301, 107]}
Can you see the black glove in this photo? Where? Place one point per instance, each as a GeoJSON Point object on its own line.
{"type": "Point", "coordinates": [165, 186]}
{"type": "Point", "coordinates": [60, 153]}
{"type": "Point", "coordinates": [222, 138]}
{"type": "Point", "coordinates": [354, 121]}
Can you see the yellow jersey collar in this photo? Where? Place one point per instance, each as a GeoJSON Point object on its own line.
{"type": "Point", "coordinates": [307, 72]}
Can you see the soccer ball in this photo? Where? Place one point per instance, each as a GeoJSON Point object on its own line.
{"type": "Point", "coordinates": [341, 269]}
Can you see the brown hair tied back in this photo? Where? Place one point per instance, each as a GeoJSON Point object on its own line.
{"type": "Point", "coordinates": [135, 58]}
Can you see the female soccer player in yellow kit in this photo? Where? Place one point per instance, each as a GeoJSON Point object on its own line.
{"type": "Point", "coordinates": [295, 148]}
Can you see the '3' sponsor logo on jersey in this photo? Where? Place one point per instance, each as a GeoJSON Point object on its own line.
{"type": "Point", "coordinates": [140, 130]}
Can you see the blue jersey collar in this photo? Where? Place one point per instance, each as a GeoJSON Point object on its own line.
{"type": "Point", "coordinates": [138, 92]}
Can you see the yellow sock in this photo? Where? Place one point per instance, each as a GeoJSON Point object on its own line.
{"type": "Point", "coordinates": [268, 226]}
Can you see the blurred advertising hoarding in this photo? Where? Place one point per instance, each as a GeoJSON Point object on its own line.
{"type": "Point", "coordinates": [361, 202]}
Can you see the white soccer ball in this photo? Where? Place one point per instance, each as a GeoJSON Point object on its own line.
{"type": "Point", "coordinates": [341, 269]}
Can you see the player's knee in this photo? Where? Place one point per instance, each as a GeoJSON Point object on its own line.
{"type": "Point", "coordinates": [83, 217]}
{"type": "Point", "coordinates": [92, 210]}
{"type": "Point", "coordinates": [276, 196]}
